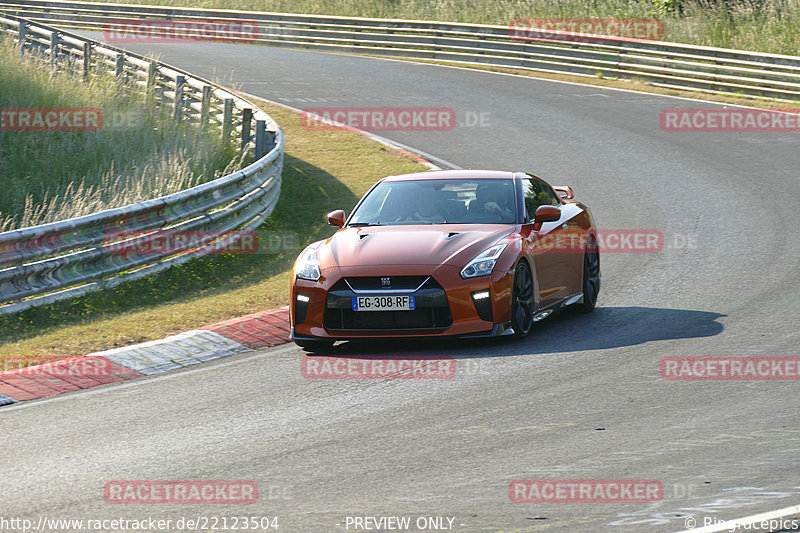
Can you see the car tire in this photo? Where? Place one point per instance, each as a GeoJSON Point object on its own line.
{"type": "Point", "coordinates": [314, 346]}
{"type": "Point", "coordinates": [590, 286]}
{"type": "Point", "coordinates": [522, 301]}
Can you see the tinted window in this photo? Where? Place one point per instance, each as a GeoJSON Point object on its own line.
{"type": "Point", "coordinates": [451, 201]}
{"type": "Point", "coordinates": [537, 193]}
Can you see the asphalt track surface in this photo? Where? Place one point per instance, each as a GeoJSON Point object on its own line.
{"type": "Point", "coordinates": [581, 398]}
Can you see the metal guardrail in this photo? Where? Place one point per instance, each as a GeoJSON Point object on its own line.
{"type": "Point", "coordinates": [663, 64]}
{"type": "Point", "coordinates": [64, 259]}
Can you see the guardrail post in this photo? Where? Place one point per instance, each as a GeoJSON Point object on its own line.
{"type": "Point", "coordinates": [261, 139]}
{"type": "Point", "coordinates": [269, 142]}
{"type": "Point", "coordinates": [247, 119]}
{"type": "Point", "coordinates": [158, 96]}
{"type": "Point", "coordinates": [152, 68]}
{"type": "Point", "coordinates": [227, 119]}
{"type": "Point", "coordinates": [23, 33]}
{"type": "Point", "coordinates": [120, 66]}
{"type": "Point", "coordinates": [87, 60]}
{"type": "Point", "coordinates": [54, 49]}
{"type": "Point", "coordinates": [205, 103]}
{"type": "Point", "coordinates": [178, 109]}
{"type": "Point", "coordinates": [72, 253]}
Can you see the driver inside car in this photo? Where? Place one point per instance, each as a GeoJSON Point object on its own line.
{"type": "Point", "coordinates": [490, 200]}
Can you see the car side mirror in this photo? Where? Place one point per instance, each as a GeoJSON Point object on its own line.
{"type": "Point", "coordinates": [336, 218]}
{"type": "Point", "coordinates": [546, 213]}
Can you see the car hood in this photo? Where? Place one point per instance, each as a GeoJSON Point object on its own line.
{"type": "Point", "coordinates": [409, 245]}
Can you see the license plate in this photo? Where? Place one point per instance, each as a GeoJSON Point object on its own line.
{"type": "Point", "coordinates": [383, 303]}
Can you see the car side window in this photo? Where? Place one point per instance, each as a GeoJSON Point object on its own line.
{"type": "Point", "coordinates": [537, 193]}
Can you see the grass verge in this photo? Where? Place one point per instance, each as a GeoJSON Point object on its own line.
{"type": "Point", "coordinates": [319, 176]}
{"type": "Point", "coordinates": [136, 154]}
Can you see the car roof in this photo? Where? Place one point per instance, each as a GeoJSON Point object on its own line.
{"type": "Point", "coordinates": [453, 174]}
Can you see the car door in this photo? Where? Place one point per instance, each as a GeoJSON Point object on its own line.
{"type": "Point", "coordinates": [548, 245]}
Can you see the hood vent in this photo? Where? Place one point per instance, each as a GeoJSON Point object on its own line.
{"type": "Point", "coordinates": [453, 234]}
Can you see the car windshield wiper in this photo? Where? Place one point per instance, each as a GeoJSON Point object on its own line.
{"type": "Point", "coordinates": [361, 224]}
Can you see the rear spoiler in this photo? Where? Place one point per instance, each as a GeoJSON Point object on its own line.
{"type": "Point", "coordinates": [564, 191]}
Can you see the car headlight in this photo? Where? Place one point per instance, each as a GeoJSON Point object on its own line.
{"type": "Point", "coordinates": [307, 265]}
{"type": "Point", "coordinates": [483, 264]}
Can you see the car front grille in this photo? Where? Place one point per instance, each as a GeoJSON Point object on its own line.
{"type": "Point", "coordinates": [388, 283]}
{"type": "Point", "coordinates": [432, 311]}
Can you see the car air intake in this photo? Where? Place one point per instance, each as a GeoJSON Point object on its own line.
{"type": "Point", "coordinates": [432, 310]}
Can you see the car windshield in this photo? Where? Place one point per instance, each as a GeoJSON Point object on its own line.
{"type": "Point", "coordinates": [448, 201]}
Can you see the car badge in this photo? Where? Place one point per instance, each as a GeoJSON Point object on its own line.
{"type": "Point", "coordinates": [386, 282]}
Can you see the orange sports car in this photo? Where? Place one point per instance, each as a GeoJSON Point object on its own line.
{"type": "Point", "coordinates": [468, 253]}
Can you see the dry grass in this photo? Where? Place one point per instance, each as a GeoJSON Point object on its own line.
{"type": "Point", "coordinates": [136, 155]}
{"type": "Point", "coordinates": [318, 176]}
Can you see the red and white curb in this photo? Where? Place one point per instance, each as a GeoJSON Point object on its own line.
{"type": "Point", "coordinates": [250, 332]}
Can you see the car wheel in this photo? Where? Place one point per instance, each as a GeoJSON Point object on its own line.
{"type": "Point", "coordinates": [591, 278]}
{"type": "Point", "coordinates": [314, 346]}
{"type": "Point", "coordinates": [522, 301]}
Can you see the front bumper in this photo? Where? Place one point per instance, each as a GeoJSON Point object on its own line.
{"type": "Point", "coordinates": [446, 306]}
